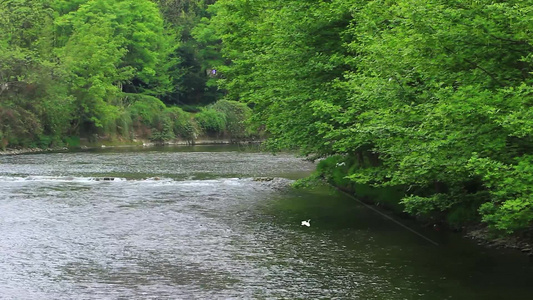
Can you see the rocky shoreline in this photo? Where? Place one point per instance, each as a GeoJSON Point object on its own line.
{"type": "Point", "coordinates": [30, 150]}
{"type": "Point", "coordinates": [134, 143]}
{"type": "Point", "coordinates": [484, 237]}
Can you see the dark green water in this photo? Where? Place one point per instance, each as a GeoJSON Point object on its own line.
{"type": "Point", "coordinates": [190, 223]}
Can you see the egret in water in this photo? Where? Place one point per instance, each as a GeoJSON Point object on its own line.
{"type": "Point", "coordinates": [306, 223]}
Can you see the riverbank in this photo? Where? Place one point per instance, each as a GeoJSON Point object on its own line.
{"type": "Point", "coordinates": [483, 236]}
{"type": "Point", "coordinates": [478, 232]}
{"type": "Point", "coordinates": [148, 121]}
{"type": "Point", "coordinates": [104, 143]}
{"type": "Point", "coordinates": [465, 220]}
{"type": "Point", "coordinates": [30, 150]}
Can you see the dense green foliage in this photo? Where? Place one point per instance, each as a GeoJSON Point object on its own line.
{"type": "Point", "coordinates": [225, 117]}
{"type": "Point", "coordinates": [211, 121]}
{"type": "Point", "coordinates": [101, 69]}
{"type": "Point", "coordinates": [432, 96]}
{"type": "Point", "coordinates": [235, 115]}
{"type": "Point", "coordinates": [198, 54]}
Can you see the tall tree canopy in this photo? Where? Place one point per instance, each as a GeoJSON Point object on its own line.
{"type": "Point", "coordinates": [113, 47]}
{"type": "Point", "coordinates": [31, 101]}
{"type": "Point", "coordinates": [435, 95]}
{"type": "Point", "coordinates": [198, 53]}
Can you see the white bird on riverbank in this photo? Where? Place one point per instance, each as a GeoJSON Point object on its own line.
{"type": "Point", "coordinates": [306, 223]}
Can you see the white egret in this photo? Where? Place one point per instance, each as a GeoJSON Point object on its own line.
{"type": "Point", "coordinates": [306, 223]}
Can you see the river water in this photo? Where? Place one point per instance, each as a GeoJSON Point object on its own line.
{"type": "Point", "coordinates": [191, 223]}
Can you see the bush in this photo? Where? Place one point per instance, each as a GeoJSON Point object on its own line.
{"type": "Point", "coordinates": [43, 141]}
{"type": "Point", "coordinates": [124, 124]}
{"type": "Point", "coordinates": [466, 212]}
{"type": "Point", "coordinates": [237, 114]}
{"type": "Point", "coordinates": [182, 124]}
{"type": "Point", "coordinates": [58, 113]}
{"type": "Point", "coordinates": [211, 121]}
{"type": "Point", "coordinates": [73, 141]}
{"type": "Point", "coordinates": [191, 108]}
{"type": "Point", "coordinates": [19, 127]}
{"type": "Point", "coordinates": [164, 129]}
{"type": "Point", "coordinates": [3, 141]}
{"type": "Point", "coordinates": [146, 109]}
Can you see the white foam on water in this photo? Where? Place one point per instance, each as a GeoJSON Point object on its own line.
{"type": "Point", "coordinates": [59, 179]}
{"type": "Point", "coordinates": [210, 182]}
{"type": "Point", "coordinates": [148, 182]}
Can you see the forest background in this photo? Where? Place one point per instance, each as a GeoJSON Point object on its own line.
{"type": "Point", "coordinates": [109, 70]}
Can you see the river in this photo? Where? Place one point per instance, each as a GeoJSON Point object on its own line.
{"type": "Point", "coordinates": [192, 223]}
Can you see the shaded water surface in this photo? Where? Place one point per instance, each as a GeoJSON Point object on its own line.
{"type": "Point", "coordinates": [191, 223]}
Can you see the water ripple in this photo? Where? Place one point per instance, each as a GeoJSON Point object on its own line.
{"type": "Point", "coordinates": [176, 225]}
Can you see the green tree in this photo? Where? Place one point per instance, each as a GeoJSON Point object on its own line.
{"type": "Point", "coordinates": [33, 98]}
{"type": "Point", "coordinates": [433, 85]}
{"type": "Point", "coordinates": [114, 47]}
{"type": "Point", "coordinates": [198, 51]}
{"type": "Point", "coordinates": [431, 95]}
{"type": "Point", "coordinates": [285, 57]}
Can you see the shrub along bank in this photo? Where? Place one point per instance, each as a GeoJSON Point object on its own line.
{"type": "Point", "coordinates": [142, 118]}
{"type": "Point", "coordinates": [336, 170]}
